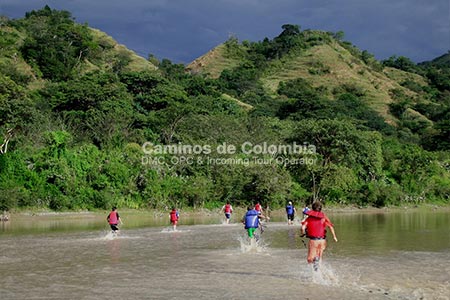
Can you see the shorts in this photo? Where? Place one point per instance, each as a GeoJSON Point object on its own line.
{"type": "Point", "coordinates": [315, 249]}
{"type": "Point", "coordinates": [291, 217]}
{"type": "Point", "coordinates": [114, 227]}
{"type": "Point", "coordinates": [227, 215]}
{"type": "Point", "coordinates": [174, 222]}
{"type": "Point", "coordinates": [251, 232]}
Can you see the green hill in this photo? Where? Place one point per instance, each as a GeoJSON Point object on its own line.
{"type": "Point", "coordinates": [114, 52]}
{"type": "Point", "coordinates": [22, 45]}
{"type": "Point", "coordinates": [329, 65]}
{"type": "Point", "coordinates": [441, 61]}
{"type": "Point", "coordinates": [213, 62]}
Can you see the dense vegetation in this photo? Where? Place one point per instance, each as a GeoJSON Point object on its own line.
{"type": "Point", "coordinates": [73, 122]}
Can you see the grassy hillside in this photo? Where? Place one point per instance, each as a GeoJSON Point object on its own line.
{"type": "Point", "coordinates": [112, 52]}
{"type": "Point", "coordinates": [441, 61]}
{"type": "Point", "coordinates": [213, 62]}
{"type": "Point", "coordinates": [329, 66]}
{"type": "Point", "coordinates": [109, 55]}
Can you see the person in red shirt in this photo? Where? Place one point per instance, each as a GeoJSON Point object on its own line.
{"type": "Point", "coordinates": [174, 216]}
{"type": "Point", "coordinates": [258, 207]}
{"type": "Point", "coordinates": [114, 220]}
{"type": "Point", "coordinates": [228, 210]}
{"type": "Point", "coordinates": [314, 227]}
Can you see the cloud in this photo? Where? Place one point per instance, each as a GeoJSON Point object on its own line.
{"type": "Point", "coordinates": [182, 30]}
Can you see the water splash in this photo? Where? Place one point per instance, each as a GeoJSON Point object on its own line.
{"type": "Point", "coordinates": [110, 235]}
{"type": "Point", "coordinates": [324, 275]}
{"type": "Point", "coordinates": [254, 245]}
{"type": "Point", "coordinates": [170, 230]}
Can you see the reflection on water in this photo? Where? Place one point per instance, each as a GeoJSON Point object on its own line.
{"type": "Point", "coordinates": [407, 230]}
{"type": "Point", "coordinates": [69, 222]}
{"type": "Point", "coordinates": [378, 256]}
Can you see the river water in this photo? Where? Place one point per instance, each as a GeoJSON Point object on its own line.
{"type": "Point", "coordinates": [380, 255]}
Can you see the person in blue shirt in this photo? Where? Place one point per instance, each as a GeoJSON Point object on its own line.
{"type": "Point", "coordinates": [251, 221]}
{"type": "Point", "coordinates": [290, 211]}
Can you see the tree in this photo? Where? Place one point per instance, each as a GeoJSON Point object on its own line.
{"type": "Point", "coordinates": [286, 41]}
{"type": "Point", "coordinates": [339, 146]}
{"type": "Point", "coordinates": [95, 106]}
{"type": "Point", "coordinates": [305, 101]}
{"type": "Point", "coordinates": [289, 30]}
{"type": "Point", "coordinates": [402, 63]}
{"type": "Point", "coordinates": [54, 43]}
{"type": "Point", "coordinates": [339, 36]}
{"type": "Point", "coordinates": [16, 110]}
{"type": "Point", "coordinates": [441, 139]}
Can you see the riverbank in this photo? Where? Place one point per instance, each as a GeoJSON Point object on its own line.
{"type": "Point", "coordinates": [202, 212]}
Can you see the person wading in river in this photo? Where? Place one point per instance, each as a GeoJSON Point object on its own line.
{"type": "Point", "coordinates": [114, 220]}
{"type": "Point", "coordinates": [228, 210]}
{"type": "Point", "coordinates": [314, 227]}
{"type": "Point", "coordinates": [290, 212]}
{"type": "Point", "coordinates": [174, 216]}
{"type": "Point", "coordinates": [251, 221]}
{"type": "Point", "coordinates": [258, 208]}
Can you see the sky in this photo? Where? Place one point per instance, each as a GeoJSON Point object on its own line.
{"type": "Point", "coordinates": [183, 30]}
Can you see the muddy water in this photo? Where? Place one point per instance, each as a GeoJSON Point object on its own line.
{"type": "Point", "coordinates": [402, 255]}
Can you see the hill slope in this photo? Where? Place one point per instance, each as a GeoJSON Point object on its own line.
{"type": "Point", "coordinates": [108, 55]}
{"type": "Point", "coordinates": [328, 65]}
{"type": "Point", "coordinates": [213, 62]}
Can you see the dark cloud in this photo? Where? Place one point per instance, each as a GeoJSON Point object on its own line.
{"type": "Point", "coordinates": [182, 30]}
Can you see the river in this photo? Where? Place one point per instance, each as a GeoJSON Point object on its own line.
{"type": "Point", "coordinates": [380, 255]}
